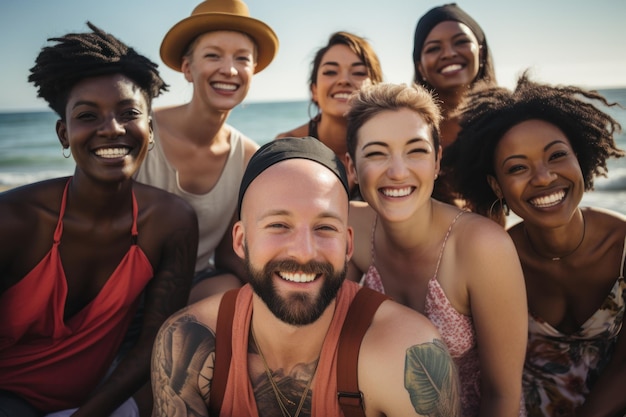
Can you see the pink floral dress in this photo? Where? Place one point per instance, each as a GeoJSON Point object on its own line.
{"type": "Point", "coordinates": [456, 329]}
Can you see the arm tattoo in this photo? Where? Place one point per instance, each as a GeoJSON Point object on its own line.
{"type": "Point", "coordinates": [431, 380]}
{"type": "Point", "coordinates": [182, 368]}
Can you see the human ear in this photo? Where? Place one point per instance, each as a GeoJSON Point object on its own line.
{"type": "Point", "coordinates": [239, 239]}
{"type": "Point", "coordinates": [352, 175]}
{"type": "Point", "coordinates": [420, 70]}
{"type": "Point", "coordinates": [314, 93]}
{"type": "Point", "coordinates": [186, 69]}
{"type": "Point", "coordinates": [61, 129]}
{"type": "Point", "coordinates": [493, 183]}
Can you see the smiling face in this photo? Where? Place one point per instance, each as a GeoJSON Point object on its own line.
{"type": "Point", "coordinates": [107, 127]}
{"type": "Point", "coordinates": [537, 173]}
{"type": "Point", "coordinates": [395, 167]}
{"type": "Point", "coordinates": [340, 73]}
{"type": "Point", "coordinates": [295, 239]}
{"type": "Point", "coordinates": [220, 65]}
{"type": "Point", "coordinates": [450, 56]}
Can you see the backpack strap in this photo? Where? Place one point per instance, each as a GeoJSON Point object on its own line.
{"type": "Point", "coordinates": [223, 351]}
{"type": "Point", "coordinates": [358, 320]}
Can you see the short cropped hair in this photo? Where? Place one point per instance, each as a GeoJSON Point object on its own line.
{"type": "Point", "coordinates": [77, 56]}
{"type": "Point", "coordinates": [373, 99]}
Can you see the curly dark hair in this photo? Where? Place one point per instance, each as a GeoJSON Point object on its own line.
{"type": "Point", "coordinates": [77, 56]}
{"type": "Point", "coordinates": [489, 112]}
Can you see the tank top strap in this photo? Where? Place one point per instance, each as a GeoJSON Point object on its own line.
{"type": "Point", "coordinates": [372, 249]}
{"type": "Point", "coordinates": [58, 232]}
{"type": "Point", "coordinates": [313, 126]}
{"type": "Point", "coordinates": [445, 240]}
{"type": "Point", "coordinates": [134, 231]}
{"type": "Point", "coordinates": [621, 269]}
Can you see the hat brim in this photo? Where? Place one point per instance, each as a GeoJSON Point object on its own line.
{"type": "Point", "coordinates": [175, 42]}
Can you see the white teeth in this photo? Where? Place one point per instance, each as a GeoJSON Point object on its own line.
{"type": "Point", "coordinates": [397, 192]}
{"type": "Point", "coordinates": [548, 200]}
{"type": "Point", "coordinates": [450, 68]}
{"type": "Point", "coordinates": [112, 152]}
{"type": "Point", "coordinates": [342, 96]}
{"type": "Point", "coordinates": [297, 277]}
{"type": "Point", "coordinates": [224, 86]}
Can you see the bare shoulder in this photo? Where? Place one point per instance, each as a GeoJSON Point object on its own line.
{"type": "Point", "coordinates": [162, 202]}
{"type": "Point", "coordinates": [395, 325]}
{"type": "Point", "coordinates": [203, 312]}
{"type": "Point", "coordinates": [605, 219]}
{"type": "Point", "coordinates": [404, 366]}
{"type": "Point", "coordinates": [298, 132]}
{"type": "Point", "coordinates": [249, 148]}
{"type": "Point", "coordinates": [28, 217]}
{"type": "Point", "coordinates": [486, 236]}
{"type": "Point", "coordinates": [24, 208]}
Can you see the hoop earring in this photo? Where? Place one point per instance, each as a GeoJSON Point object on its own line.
{"type": "Point", "coordinates": [503, 207]}
{"type": "Point", "coordinates": [63, 152]}
{"type": "Point", "coordinates": [308, 110]}
{"type": "Point", "coordinates": [150, 145]}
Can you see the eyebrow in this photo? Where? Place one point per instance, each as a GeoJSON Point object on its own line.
{"type": "Point", "coordinates": [461, 33]}
{"type": "Point", "coordinates": [545, 148]}
{"type": "Point", "coordinates": [386, 145]}
{"type": "Point", "coordinates": [336, 64]}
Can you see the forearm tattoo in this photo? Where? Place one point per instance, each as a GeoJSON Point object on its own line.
{"type": "Point", "coordinates": [430, 378]}
{"type": "Point", "coordinates": [184, 354]}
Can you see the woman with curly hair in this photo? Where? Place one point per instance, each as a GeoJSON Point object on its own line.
{"type": "Point", "coordinates": [536, 150]}
{"type": "Point", "coordinates": [90, 265]}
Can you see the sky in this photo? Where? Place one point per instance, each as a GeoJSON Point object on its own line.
{"type": "Point", "coordinates": [578, 42]}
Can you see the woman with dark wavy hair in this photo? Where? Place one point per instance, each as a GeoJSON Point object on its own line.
{"type": "Point", "coordinates": [536, 150]}
{"type": "Point", "coordinates": [339, 68]}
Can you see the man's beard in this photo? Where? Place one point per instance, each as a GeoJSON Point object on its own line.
{"type": "Point", "coordinates": [300, 308]}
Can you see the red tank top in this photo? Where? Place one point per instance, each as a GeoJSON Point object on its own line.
{"type": "Point", "coordinates": [55, 364]}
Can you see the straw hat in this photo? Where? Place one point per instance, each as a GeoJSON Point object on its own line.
{"type": "Point", "coordinates": [213, 15]}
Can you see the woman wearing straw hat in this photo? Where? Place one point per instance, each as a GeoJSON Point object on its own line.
{"type": "Point", "coordinates": [197, 155]}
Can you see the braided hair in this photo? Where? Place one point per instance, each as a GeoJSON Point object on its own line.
{"type": "Point", "coordinates": [488, 113]}
{"type": "Point", "coordinates": [77, 56]}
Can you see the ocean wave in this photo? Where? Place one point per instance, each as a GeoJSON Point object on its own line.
{"type": "Point", "coordinates": [616, 181]}
{"type": "Point", "coordinates": [14, 179]}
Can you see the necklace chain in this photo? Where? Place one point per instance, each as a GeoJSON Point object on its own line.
{"type": "Point", "coordinates": [277, 392]}
{"type": "Point", "coordinates": [558, 258]}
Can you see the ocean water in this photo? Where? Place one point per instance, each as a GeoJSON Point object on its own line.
{"type": "Point", "coordinates": [30, 150]}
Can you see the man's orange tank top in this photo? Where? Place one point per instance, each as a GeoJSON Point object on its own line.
{"type": "Point", "coordinates": [239, 398]}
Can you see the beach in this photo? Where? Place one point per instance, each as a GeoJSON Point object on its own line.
{"type": "Point", "coordinates": [30, 150]}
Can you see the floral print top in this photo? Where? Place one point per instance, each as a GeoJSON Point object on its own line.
{"type": "Point", "coordinates": [457, 330]}
{"type": "Point", "coordinates": [560, 369]}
